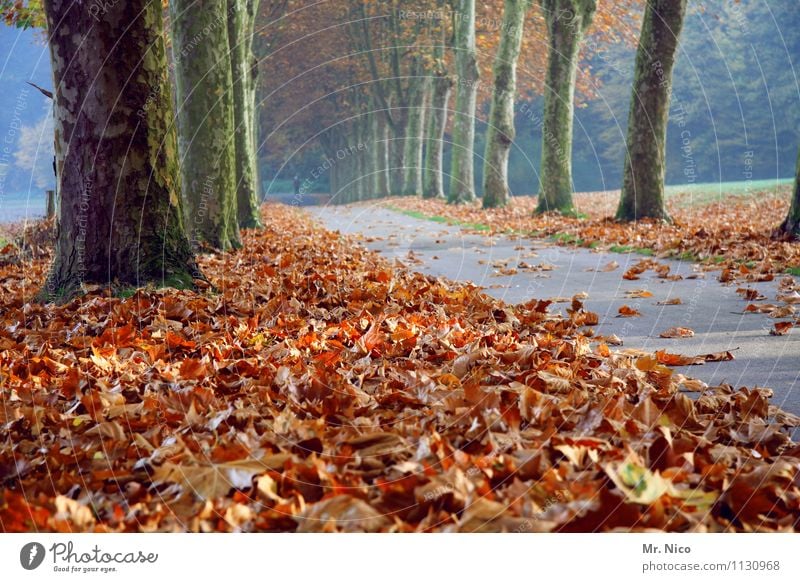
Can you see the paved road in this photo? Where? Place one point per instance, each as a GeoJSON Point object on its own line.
{"type": "Point", "coordinates": [712, 310]}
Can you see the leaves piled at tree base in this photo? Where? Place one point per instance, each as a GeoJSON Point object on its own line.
{"type": "Point", "coordinates": [323, 389]}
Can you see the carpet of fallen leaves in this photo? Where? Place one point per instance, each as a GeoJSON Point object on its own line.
{"type": "Point", "coordinates": [732, 233]}
{"type": "Point", "coordinates": [317, 387]}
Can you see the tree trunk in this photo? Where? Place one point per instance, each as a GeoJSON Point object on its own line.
{"type": "Point", "coordinates": [368, 176]}
{"type": "Point", "coordinates": [120, 213]}
{"type": "Point", "coordinates": [645, 163]}
{"type": "Point", "coordinates": [462, 172]}
{"type": "Point", "coordinates": [333, 171]}
{"type": "Point", "coordinates": [415, 124]}
{"type": "Point", "coordinates": [361, 180]}
{"type": "Point", "coordinates": [500, 133]}
{"type": "Point", "coordinates": [205, 97]}
{"type": "Point", "coordinates": [440, 85]}
{"type": "Point", "coordinates": [241, 19]}
{"type": "Point", "coordinates": [380, 160]}
{"type": "Point", "coordinates": [790, 228]}
{"type": "Point", "coordinates": [397, 152]}
{"type": "Point", "coordinates": [567, 20]}
{"type": "Point", "coordinates": [51, 204]}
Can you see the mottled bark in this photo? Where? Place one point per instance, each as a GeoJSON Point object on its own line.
{"type": "Point", "coordinates": [241, 20]}
{"type": "Point", "coordinates": [120, 216]}
{"type": "Point", "coordinates": [397, 151]}
{"type": "Point", "coordinates": [500, 133]}
{"type": "Point", "coordinates": [645, 160]}
{"type": "Point", "coordinates": [567, 20]}
{"type": "Point", "coordinates": [415, 124]}
{"type": "Point", "coordinates": [204, 91]}
{"type": "Point", "coordinates": [462, 171]}
{"type": "Point", "coordinates": [790, 228]}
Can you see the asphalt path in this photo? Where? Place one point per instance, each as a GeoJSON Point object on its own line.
{"type": "Point", "coordinates": [517, 270]}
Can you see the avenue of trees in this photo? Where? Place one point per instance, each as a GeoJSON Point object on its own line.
{"type": "Point", "coordinates": [154, 165]}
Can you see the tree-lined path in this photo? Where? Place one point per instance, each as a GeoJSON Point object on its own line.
{"type": "Point", "coordinates": [517, 348]}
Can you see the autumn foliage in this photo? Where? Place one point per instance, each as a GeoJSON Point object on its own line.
{"type": "Point", "coordinates": [325, 389]}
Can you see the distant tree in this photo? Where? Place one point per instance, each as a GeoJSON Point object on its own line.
{"type": "Point", "coordinates": [206, 135]}
{"type": "Point", "coordinates": [418, 88]}
{"type": "Point", "coordinates": [462, 171]}
{"type": "Point", "coordinates": [645, 161]}
{"type": "Point", "coordinates": [500, 132]}
{"type": "Point", "coordinates": [440, 87]}
{"type": "Point", "coordinates": [567, 21]}
{"type": "Point", "coordinates": [244, 68]}
{"type": "Point", "coordinates": [120, 214]}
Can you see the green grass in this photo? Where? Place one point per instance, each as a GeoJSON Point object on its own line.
{"type": "Point", "coordinates": [621, 249]}
{"type": "Point", "coordinates": [441, 219]}
{"type": "Point", "coordinates": [700, 194]}
{"type": "Point", "coordinates": [689, 256]}
{"type": "Point", "coordinates": [566, 238]}
{"type": "Point", "coordinates": [793, 271]}
{"type": "Point", "coordinates": [474, 225]}
{"type": "Point", "coordinates": [179, 281]}
{"type": "Point", "coordinates": [126, 292]}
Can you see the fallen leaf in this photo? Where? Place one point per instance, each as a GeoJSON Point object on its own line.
{"type": "Point", "coordinates": [677, 332]}
{"type": "Point", "coordinates": [626, 311]}
{"type": "Point", "coordinates": [781, 328]}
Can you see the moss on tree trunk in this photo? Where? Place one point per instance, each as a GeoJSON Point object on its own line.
{"type": "Point", "coordinates": [500, 133]}
{"type": "Point", "coordinates": [121, 219]}
{"type": "Point", "coordinates": [462, 171]}
{"type": "Point", "coordinates": [205, 99]}
{"type": "Point", "coordinates": [645, 163]}
{"type": "Point", "coordinates": [567, 20]}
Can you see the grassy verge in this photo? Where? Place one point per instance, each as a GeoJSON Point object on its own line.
{"type": "Point", "coordinates": [441, 219]}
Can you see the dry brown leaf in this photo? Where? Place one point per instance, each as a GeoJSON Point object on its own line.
{"type": "Point", "coordinates": [677, 332]}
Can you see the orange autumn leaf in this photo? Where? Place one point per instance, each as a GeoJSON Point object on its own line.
{"type": "Point", "coordinates": [176, 341]}
{"type": "Point", "coordinates": [192, 369]}
{"type": "Point", "coordinates": [781, 328]}
{"type": "Point", "coordinates": [626, 311]}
